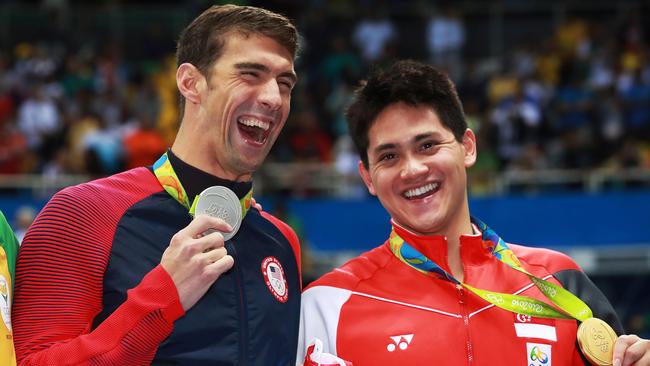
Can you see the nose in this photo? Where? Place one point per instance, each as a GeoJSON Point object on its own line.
{"type": "Point", "coordinates": [413, 168]}
{"type": "Point", "coordinates": [270, 96]}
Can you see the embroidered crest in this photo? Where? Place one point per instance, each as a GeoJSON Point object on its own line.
{"type": "Point", "coordinates": [275, 279]}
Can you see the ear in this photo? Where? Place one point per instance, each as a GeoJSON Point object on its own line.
{"type": "Point", "coordinates": [365, 176]}
{"type": "Point", "coordinates": [469, 146]}
{"type": "Point", "coordinates": [190, 82]}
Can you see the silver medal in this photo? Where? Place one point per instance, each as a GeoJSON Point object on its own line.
{"type": "Point", "coordinates": [220, 202]}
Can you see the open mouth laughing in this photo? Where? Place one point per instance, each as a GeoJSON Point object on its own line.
{"type": "Point", "coordinates": [253, 129]}
{"type": "Point", "coordinates": [421, 192]}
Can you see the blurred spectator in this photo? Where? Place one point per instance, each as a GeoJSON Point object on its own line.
{"type": "Point", "coordinates": [103, 151]}
{"type": "Point", "coordinates": [610, 119]}
{"type": "Point", "coordinates": [77, 75]}
{"type": "Point", "coordinates": [80, 125]}
{"type": "Point", "coordinates": [108, 106]}
{"type": "Point", "coordinates": [517, 119]}
{"type": "Point", "coordinates": [346, 163]}
{"type": "Point", "coordinates": [13, 149]}
{"type": "Point", "coordinates": [165, 83]}
{"type": "Point", "coordinates": [445, 37]}
{"type": "Point", "coordinates": [639, 324]}
{"type": "Point", "coordinates": [39, 120]}
{"type": "Point", "coordinates": [576, 98]}
{"type": "Point", "coordinates": [573, 103]}
{"type": "Point", "coordinates": [635, 99]}
{"type": "Point", "coordinates": [373, 33]}
{"type": "Point", "coordinates": [145, 102]}
{"type": "Point", "coordinates": [143, 145]}
{"type": "Point", "coordinates": [25, 215]}
{"type": "Point", "coordinates": [337, 102]}
{"type": "Point", "coordinates": [13, 144]}
{"type": "Point", "coordinates": [572, 37]}
{"type": "Point", "coordinates": [308, 141]}
{"type": "Point", "coordinates": [549, 63]}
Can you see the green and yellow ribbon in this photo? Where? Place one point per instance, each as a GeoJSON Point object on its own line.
{"type": "Point", "coordinates": [571, 307]}
{"type": "Point", "coordinates": [168, 179]}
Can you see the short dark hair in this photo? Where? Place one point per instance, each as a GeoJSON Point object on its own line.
{"type": "Point", "coordinates": [410, 82]}
{"type": "Point", "coordinates": [201, 43]}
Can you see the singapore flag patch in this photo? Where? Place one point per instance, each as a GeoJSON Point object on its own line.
{"type": "Point", "coordinates": [275, 279]}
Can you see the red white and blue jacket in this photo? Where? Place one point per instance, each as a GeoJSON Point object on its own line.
{"type": "Point", "coordinates": [376, 310]}
{"type": "Point", "coordinates": [90, 289]}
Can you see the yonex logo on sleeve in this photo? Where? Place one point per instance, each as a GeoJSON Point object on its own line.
{"type": "Point", "coordinates": [401, 341]}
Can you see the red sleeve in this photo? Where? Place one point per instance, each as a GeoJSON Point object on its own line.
{"type": "Point", "coordinates": [59, 286]}
{"type": "Point", "coordinates": [288, 233]}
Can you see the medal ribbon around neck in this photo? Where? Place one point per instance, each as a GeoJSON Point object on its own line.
{"type": "Point", "coordinates": [572, 307]}
{"type": "Point", "coordinates": [167, 177]}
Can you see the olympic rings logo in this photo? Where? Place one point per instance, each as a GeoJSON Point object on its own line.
{"type": "Point", "coordinates": [537, 355]}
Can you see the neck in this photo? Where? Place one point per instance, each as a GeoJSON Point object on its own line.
{"type": "Point", "coordinates": [202, 157]}
{"type": "Point", "coordinates": [453, 258]}
{"type": "Point", "coordinates": [195, 180]}
{"type": "Point", "coordinates": [461, 226]}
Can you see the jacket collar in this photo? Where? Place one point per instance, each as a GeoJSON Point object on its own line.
{"type": "Point", "coordinates": [195, 180]}
{"type": "Point", "coordinates": [473, 250]}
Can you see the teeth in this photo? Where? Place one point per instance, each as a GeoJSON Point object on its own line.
{"type": "Point", "coordinates": [251, 122]}
{"type": "Point", "coordinates": [421, 190]}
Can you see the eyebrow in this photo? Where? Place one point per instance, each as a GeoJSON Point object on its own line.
{"type": "Point", "coordinates": [383, 147]}
{"type": "Point", "coordinates": [263, 68]}
{"type": "Point", "coordinates": [418, 138]}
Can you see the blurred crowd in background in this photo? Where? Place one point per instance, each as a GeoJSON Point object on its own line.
{"type": "Point", "coordinates": [90, 89]}
{"type": "Point", "coordinates": [77, 101]}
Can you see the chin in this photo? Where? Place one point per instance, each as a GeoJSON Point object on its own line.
{"type": "Point", "coordinates": [425, 228]}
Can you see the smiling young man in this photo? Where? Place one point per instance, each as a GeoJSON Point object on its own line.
{"type": "Point", "coordinates": [118, 272]}
{"type": "Point", "coordinates": [440, 290]}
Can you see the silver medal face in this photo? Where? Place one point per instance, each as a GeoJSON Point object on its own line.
{"type": "Point", "coordinates": [220, 202]}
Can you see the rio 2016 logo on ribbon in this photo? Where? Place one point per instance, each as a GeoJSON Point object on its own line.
{"type": "Point", "coordinates": [538, 354]}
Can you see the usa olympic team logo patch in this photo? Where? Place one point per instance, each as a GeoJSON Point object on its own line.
{"type": "Point", "coordinates": [274, 278]}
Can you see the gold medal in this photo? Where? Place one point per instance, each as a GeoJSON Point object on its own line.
{"type": "Point", "coordinates": [596, 340]}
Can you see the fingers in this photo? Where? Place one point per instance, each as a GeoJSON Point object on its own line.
{"type": "Point", "coordinates": [212, 255]}
{"type": "Point", "coordinates": [621, 345]}
{"type": "Point", "coordinates": [220, 266]}
{"type": "Point", "coordinates": [631, 350]}
{"type": "Point", "coordinates": [200, 225]}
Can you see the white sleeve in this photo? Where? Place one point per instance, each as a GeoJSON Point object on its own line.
{"type": "Point", "coordinates": [319, 318]}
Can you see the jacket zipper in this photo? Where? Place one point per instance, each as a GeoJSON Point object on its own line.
{"type": "Point", "coordinates": [239, 289]}
{"type": "Point", "coordinates": [463, 311]}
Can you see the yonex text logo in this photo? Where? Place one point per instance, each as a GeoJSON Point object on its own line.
{"type": "Point", "coordinates": [401, 341]}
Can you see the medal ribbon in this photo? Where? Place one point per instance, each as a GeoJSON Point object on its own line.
{"type": "Point", "coordinates": [571, 306]}
{"type": "Point", "coordinates": [167, 177]}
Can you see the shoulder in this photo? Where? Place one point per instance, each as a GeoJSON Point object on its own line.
{"type": "Point", "coordinates": [136, 182]}
{"type": "Point", "coordinates": [78, 224]}
{"type": "Point", "coordinates": [553, 261]}
{"type": "Point", "coordinates": [117, 191]}
{"type": "Point", "coordinates": [356, 270]}
{"type": "Point", "coordinates": [286, 230]}
{"type": "Point", "coordinates": [288, 233]}
{"type": "Point", "coordinates": [97, 205]}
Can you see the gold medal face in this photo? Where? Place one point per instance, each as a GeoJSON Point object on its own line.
{"type": "Point", "coordinates": [596, 340]}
